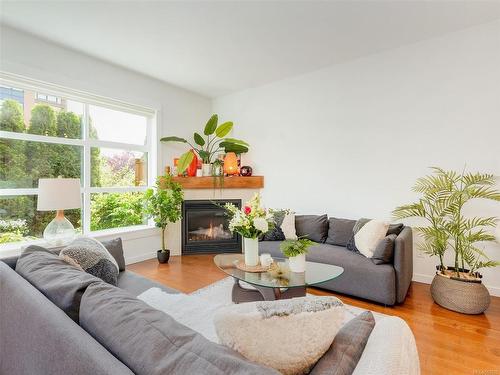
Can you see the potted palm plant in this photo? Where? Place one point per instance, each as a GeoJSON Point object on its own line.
{"type": "Point", "coordinates": [208, 146]}
{"type": "Point", "coordinates": [295, 251]}
{"type": "Point", "coordinates": [443, 195]}
{"type": "Point", "coordinates": [164, 205]}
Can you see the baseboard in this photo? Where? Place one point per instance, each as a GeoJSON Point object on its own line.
{"type": "Point", "coordinates": [427, 279]}
{"type": "Point", "coordinates": [140, 258]}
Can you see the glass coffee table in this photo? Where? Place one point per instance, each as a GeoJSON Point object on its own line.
{"type": "Point", "coordinates": [271, 286]}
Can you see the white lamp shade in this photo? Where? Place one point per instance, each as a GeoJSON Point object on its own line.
{"type": "Point", "coordinates": [58, 194]}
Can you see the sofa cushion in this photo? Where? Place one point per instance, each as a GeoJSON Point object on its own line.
{"type": "Point", "coordinates": [38, 338]}
{"type": "Point", "coordinates": [288, 227]}
{"type": "Point", "coordinates": [340, 231]}
{"type": "Point", "coordinates": [384, 251]}
{"type": "Point", "coordinates": [151, 342]}
{"type": "Point", "coordinates": [275, 234]}
{"type": "Point", "coordinates": [314, 227]}
{"type": "Point", "coordinates": [395, 229]}
{"type": "Point", "coordinates": [60, 282]}
{"type": "Point", "coordinates": [347, 347]}
{"type": "Point", "coordinates": [92, 257]}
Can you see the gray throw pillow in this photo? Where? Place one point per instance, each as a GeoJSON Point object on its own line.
{"type": "Point", "coordinates": [314, 227]}
{"type": "Point", "coordinates": [395, 229]}
{"type": "Point", "coordinates": [347, 347]}
{"type": "Point", "coordinates": [115, 248]}
{"type": "Point", "coordinates": [148, 341]}
{"type": "Point", "coordinates": [92, 257]}
{"type": "Point", "coordinates": [60, 282]}
{"type": "Point", "coordinates": [385, 250]}
{"type": "Point", "coordinates": [339, 231]}
{"type": "Point", "coordinates": [275, 234]}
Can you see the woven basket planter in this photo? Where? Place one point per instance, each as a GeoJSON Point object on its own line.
{"type": "Point", "coordinates": [466, 297]}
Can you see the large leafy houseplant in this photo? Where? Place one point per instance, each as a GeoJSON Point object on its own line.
{"type": "Point", "coordinates": [208, 146]}
{"type": "Point", "coordinates": [443, 196]}
{"type": "Point", "coordinates": [164, 204]}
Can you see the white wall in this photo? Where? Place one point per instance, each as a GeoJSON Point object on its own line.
{"type": "Point", "coordinates": [350, 140]}
{"type": "Point", "coordinates": [179, 111]}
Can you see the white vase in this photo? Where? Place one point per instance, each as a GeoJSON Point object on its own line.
{"type": "Point", "coordinates": [297, 263]}
{"type": "Point", "coordinates": [206, 169]}
{"type": "Point", "coordinates": [251, 246]}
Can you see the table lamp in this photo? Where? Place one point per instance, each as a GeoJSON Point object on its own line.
{"type": "Point", "coordinates": [59, 194]}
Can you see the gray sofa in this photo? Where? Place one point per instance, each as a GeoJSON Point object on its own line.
{"type": "Point", "coordinates": [38, 337]}
{"type": "Point", "coordinates": [383, 283]}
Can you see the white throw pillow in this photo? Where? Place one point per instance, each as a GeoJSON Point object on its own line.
{"type": "Point", "coordinates": [368, 237]}
{"type": "Point", "coordinates": [288, 227]}
{"type": "Point", "coordinates": [288, 335]}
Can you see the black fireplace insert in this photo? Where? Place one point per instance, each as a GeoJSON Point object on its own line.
{"type": "Point", "coordinates": [205, 227]}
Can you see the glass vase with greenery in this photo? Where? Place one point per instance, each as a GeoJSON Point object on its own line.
{"type": "Point", "coordinates": [164, 204]}
{"type": "Point", "coordinates": [442, 198]}
{"type": "Point", "coordinates": [208, 146]}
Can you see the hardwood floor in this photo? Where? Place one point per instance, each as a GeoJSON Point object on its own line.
{"type": "Point", "coordinates": [448, 342]}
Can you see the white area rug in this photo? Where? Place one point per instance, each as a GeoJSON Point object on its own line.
{"type": "Point", "coordinates": [196, 310]}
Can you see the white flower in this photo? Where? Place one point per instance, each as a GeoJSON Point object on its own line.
{"type": "Point", "coordinates": [261, 224]}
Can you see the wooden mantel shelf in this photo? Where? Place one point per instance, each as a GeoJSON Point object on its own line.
{"type": "Point", "coordinates": [233, 182]}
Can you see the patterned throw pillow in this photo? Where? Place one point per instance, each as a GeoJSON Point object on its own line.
{"type": "Point", "coordinates": [275, 234]}
{"type": "Point", "coordinates": [92, 257]}
{"type": "Point", "coordinates": [288, 335]}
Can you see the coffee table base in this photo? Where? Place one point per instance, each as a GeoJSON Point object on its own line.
{"type": "Point", "coordinates": [240, 294]}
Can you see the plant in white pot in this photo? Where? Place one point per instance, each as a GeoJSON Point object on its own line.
{"type": "Point", "coordinates": [251, 221]}
{"type": "Point", "coordinates": [443, 195]}
{"type": "Point", "coordinates": [164, 205]}
{"type": "Point", "coordinates": [295, 251]}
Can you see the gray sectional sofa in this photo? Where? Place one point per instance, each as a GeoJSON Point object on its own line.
{"type": "Point", "coordinates": [383, 283]}
{"type": "Point", "coordinates": [112, 333]}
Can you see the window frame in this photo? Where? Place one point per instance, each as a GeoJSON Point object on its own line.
{"type": "Point", "coordinates": [86, 143]}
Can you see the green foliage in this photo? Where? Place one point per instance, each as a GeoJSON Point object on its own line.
{"type": "Point", "coordinates": [211, 145]}
{"type": "Point", "coordinates": [443, 195]}
{"type": "Point", "coordinates": [291, 248]}
{"type": "Point", "coordinates": [114, 210]}
{"type": "Point", "coordinates": [12, 152]}
{"type": "Point", "coordinates": [43, 121]}
{"type": "Point", "coordinates": [11, 117]}
{"type": "Point", "coordinates": [164, 203]}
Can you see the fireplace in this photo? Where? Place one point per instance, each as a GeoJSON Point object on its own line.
{"type": "Point", "coordinates": [205, 228]}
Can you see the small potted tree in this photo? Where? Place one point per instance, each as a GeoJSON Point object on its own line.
{"type": "Point", "coordinates": [295, 251]}
{"type": "Point", "coordinates": [163, 204]}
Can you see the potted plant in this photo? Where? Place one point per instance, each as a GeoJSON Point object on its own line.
{"type": "Point", "coordinates": [163, 204]}
{"type": "Point", "coordinates": [295, 251]}
{"type": "Point", "coordinates": [443, 195]}
{"type": "Point", "coordinates": [250, 222]}
{"type": "Point", "coordinates": [208, 147]}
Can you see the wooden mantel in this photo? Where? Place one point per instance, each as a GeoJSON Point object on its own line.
{"type": "Point", "coordinates": [232, 182]}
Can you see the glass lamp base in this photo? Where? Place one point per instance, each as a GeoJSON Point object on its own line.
{"type": "Point", "coordinates": [59, 232]}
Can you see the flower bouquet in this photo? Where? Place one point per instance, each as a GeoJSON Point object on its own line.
{"type": "Point", "coordinates": [250, 222]}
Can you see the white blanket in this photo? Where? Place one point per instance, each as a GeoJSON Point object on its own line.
{"type": "Point", "coordinates": [390, 350]}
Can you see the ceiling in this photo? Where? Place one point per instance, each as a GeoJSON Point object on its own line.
{"type": "Point", "coordinates": [217, 47]}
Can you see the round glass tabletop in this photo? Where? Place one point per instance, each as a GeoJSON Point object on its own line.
{"type": "Point", "coordinates": [316, 273]}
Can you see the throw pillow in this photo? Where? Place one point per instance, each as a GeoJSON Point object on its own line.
{"type": "Point", "coordinates": [369, 236]}
{"type": "Point", "coordinates": [314, 227]}
{"type": "Point", "coordinates": [275, 234]}
{"type": "Point", "coordinates": [115, 248]}
{"type": "Point", "coordinates": [385, 250]}
{"type": "Point", "coordinates": [92, 257]}
{"type": "Point", "coordinates": [288, 227]}
{"type": "Point", "coordinates": [395, 229]}
{"type": "Point", "coordinates": [340, 231]}
{"type": "Point", "coordinates": [347, 348]}
{"type": "Point", "coordinates": [62, 283]}
{"type": "Point", "coordinates": [288, 335]}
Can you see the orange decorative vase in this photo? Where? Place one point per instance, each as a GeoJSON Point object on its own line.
{"type": "Point", "coordinates": [193, 166]}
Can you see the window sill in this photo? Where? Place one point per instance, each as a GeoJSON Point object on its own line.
{"type": "Point", "coordinates": [127, 233]}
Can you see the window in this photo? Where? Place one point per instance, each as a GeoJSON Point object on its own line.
{"type": "Point", "coordinates": [49, 133]}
